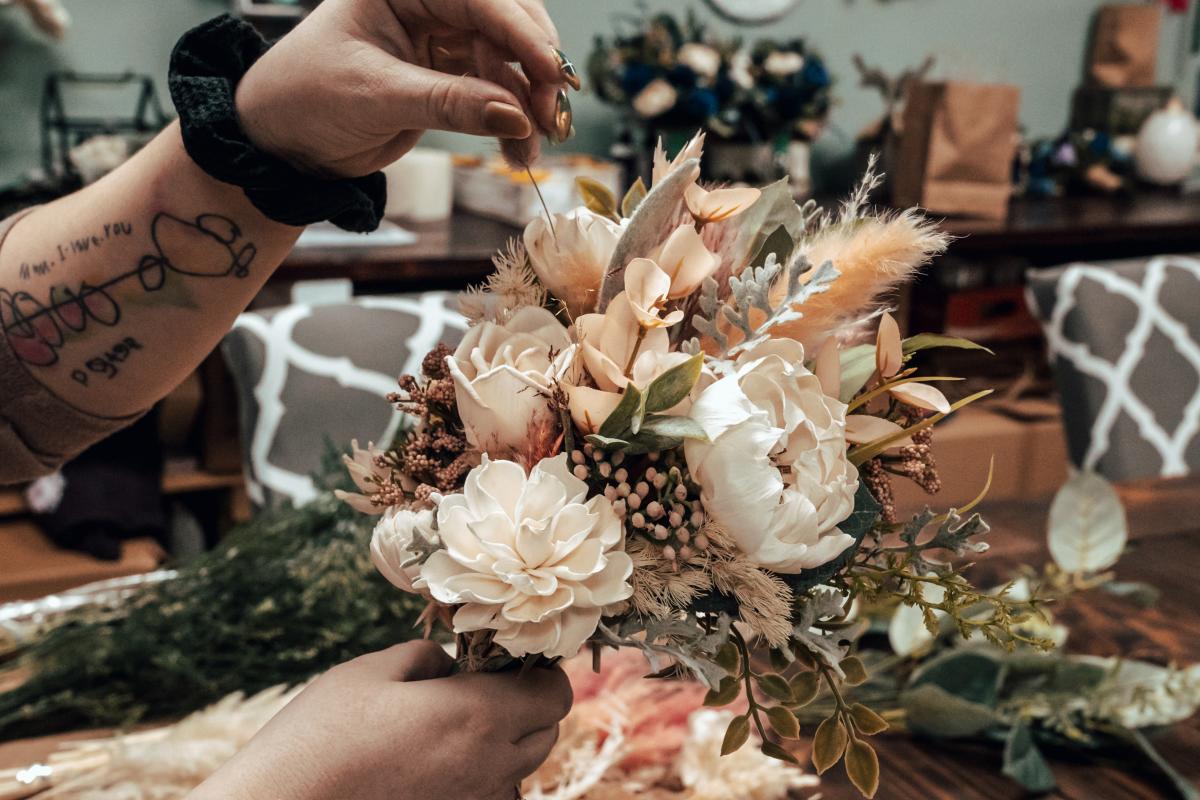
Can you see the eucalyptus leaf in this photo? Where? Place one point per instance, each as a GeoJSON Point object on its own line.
{"type": "Point", "coordinates": [758, 224]}
{"type": "Point", "coordinates": [925, 341]}
{"type": "Point", "coordinates": [973, 675]}
{"type": "Point", "coordinates": [1024, 763]}
{"type": "Point", "coordinates": [729, 690]}
{"type": "Point", "coordinates": [736, 734]}
{"type": "Point", "coordinates": [932, 711]}
{"type": "Point", "coordinates": [597, 197]}
{"type": "Point", "coordinates": [670, 388]}
{"type": "Point", "coordinates": [829, 743]}
{"type": "Point", "coordinates": [607, 443]}
{"type": "Point", "coordinates": [772, 750]}
{"type": "Point", "coordinates": [858, 363]}
{"type": "Point", "coordinates": [675, 427]}
{"type": "Point", "coordinates": [862, 767]}
{"type": "Point", "coordinates": [783, 722]}
{"type": "Point", "coordinates": [1087, 529]}
{"type": "Point", "coordinates": [622, 417]}
{"type": "Point", "coordinates": [633, 198]}
{"type": "Point", "coordinates": [775, 685]}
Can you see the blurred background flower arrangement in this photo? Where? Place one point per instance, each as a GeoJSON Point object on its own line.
{"type": "Point", "coordinates": [672, 76]}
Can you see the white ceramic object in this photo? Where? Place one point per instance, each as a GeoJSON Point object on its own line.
{"type": "Point", "coordinates": [1165, 152]}
{"type": "Point", "coordinates": [420, 186]}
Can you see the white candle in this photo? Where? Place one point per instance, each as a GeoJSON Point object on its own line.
{"type": "Point", "coordinates": [420, 186]}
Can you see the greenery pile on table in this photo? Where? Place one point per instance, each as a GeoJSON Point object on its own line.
{"type": "Point", "coordinates": [283, 597]}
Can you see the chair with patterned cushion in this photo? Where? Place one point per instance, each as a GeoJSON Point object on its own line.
{"type": "Point", "coordinates": [1124, 340]}
{"type": "Point", "coordinates": [311, 376]}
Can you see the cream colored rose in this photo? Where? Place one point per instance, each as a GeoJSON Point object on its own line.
{"type": "Point", "coordinates": [571, 264]}
{"type": "Point", "coordinates": [657, 98]}
{"type": "Point", "coordinates": [501, 376]}
{"type": "Point", "coordinates": [782, 63]}
{"type": "Point", "coordinates": [774, 472]}
{"type": "Point", "coordinates": [700, 59]}
{"type": "Point", "coordinates": [393, 550]}
{"type": "Point", "coordinates": [529, 557]}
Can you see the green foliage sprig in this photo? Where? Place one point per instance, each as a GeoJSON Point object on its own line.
{"type": "Point", "coordinates": [282, 598]}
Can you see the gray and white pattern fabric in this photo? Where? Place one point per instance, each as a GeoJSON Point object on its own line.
{"type": "Point", "coordinates": [1124, 340]}
{"type": "Point", "coordinates": [313, 376]}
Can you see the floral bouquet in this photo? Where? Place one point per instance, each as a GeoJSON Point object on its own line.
{"type": "Point", "coordinates": [670, 428]}
{"type": "Point", "coordinates": [680, 77]}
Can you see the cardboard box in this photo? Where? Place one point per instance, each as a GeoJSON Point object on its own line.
{"type": "Point", "coordinates": [1030, 457]}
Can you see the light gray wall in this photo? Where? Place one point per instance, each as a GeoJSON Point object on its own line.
{"type": "Point", "coordinates": [1037, 44]}
{"type": "Point", "coordinates": [105, 36]}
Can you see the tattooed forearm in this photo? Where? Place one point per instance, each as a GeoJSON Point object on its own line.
{"type": "Point", "coordinates": [65, 250]}
{"type": "Point", "coordinates": [39, 327]}
{"type": "Point", "coordinates": [107, 363]}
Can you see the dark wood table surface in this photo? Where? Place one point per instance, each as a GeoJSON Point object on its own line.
{"type": "Point", "coordinates": [1164, 521]}
{"type": "Point", "coordinates": [447, 255]}
{"type": "Point", "coordinates": [1164, 551]}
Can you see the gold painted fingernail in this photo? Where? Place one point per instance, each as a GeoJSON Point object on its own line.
{"type": "Point", "coordinates": [562, 117]}
{"type": "Point", "coordinates": [506, 120]}
{"type": "Point", "coordinates": [570, 75]}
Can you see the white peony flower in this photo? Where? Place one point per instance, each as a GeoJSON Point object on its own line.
{"type": "Point", "coordinates": [501, 374]}
{"type": "Point", "coordinates": [657, 98]}
{"type": "Point", "coordinates": [700, 59]}
{"type": "Point", "coordinates": [392, 545]}
{"type": "Point", "coordinates": [782, 63]}
{"type": "Point", "coordinates": [529, 557]}
{"type": "Point", "coordinates": [571, 265]}
{"type": "Point", "coordinates": [774, 472]}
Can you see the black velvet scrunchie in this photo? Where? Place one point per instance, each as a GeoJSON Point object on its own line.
{"type": "Point", "coordinates": [206, 66]}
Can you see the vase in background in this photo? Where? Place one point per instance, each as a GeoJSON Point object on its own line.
{"type": "Point", "coordinates": [1165, 152]}
{"type": "Point", "coordinates": [740, 162]}
{"type": "Point", "coordinates": [797, 163]}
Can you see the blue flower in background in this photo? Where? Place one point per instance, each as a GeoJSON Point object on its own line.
{"type": "Point", "coordinates": [701, 104]}
{"type": "Point", "coordinates": [635, 77]}
{"type": "Point", "coordinates": [815, 72]}
{"type": "Point", "coordinates": [682, 77]}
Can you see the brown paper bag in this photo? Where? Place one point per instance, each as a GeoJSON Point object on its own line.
{"type": "Point", "coordinates": [1125, 46]}
{"type": "Point", "coordinates": [956, 153]}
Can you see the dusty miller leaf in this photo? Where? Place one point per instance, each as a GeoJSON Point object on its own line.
{"type": "Point", "coordinates": [1087, 530]}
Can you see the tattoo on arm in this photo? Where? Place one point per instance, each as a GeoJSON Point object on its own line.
{"type": "Point", "coordinates": [37, 329]}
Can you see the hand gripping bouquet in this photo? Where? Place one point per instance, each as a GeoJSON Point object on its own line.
{"type": "Point", "coordinates": [660, 434]}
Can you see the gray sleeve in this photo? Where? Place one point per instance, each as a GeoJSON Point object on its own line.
{"type": "Point", "coordinates": [38, 430]}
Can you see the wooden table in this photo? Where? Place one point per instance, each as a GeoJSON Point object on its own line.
{"type": "Point", "coordinates": [1164, 521]}
{"type": "Point", "coordinates": [1165, 551]}
{"type": "Point", "coordinates": [447, 255]}
{"type": "Point", "coordinates": [1049, 231]}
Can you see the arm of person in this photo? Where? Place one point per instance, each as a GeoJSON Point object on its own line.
{"type": "Point", "coordinates": [110, 296]}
